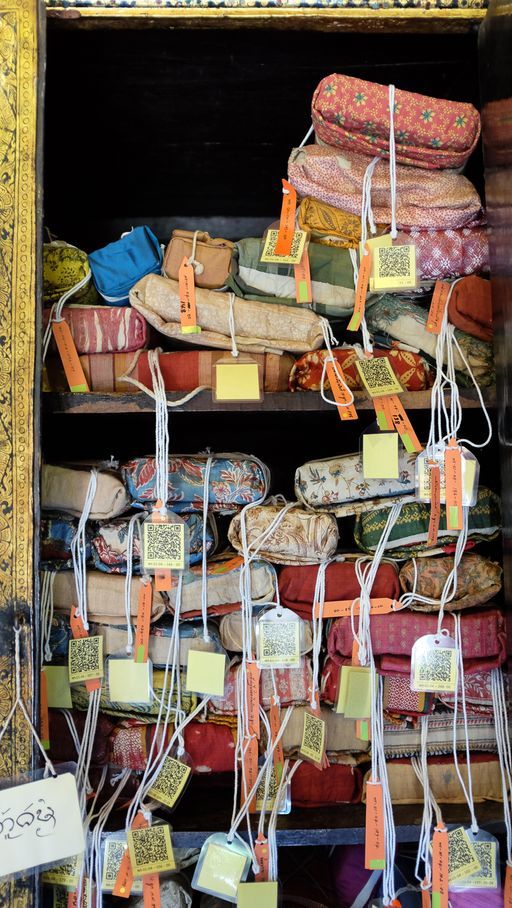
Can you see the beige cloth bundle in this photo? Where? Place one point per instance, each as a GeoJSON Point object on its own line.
{"type": "Point", "coordinates": [340, 733]}
{"type": "Point", "coordinates": [65, 489]}
{"type": "Point", "coordinates": [231, 634]}
{"type": "Point", "coordinates": [405, 787]}
{"type": "Point", "coordinates": [224, 589]}
{"type": "Point", "coordinates": [105, 597]}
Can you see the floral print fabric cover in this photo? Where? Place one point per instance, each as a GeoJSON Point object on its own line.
{"type": "Point", "coordinates": [329, 485]}
{"type": "Point", "coordinates": [109, 544]}
{"type": "Point", "coordinates": [235, 480]}
{"type": "Point", "coordinates": [441, 254]}
{"type": "Point", "coordinates": [301, 537]}
{"type": "Point", "coordinates": [429, 132]}
{"type": "Point", "coordinates": [412, 370]}
{"type": "Point", "coordinates": [442, 199]}
{"type": "Point", "coordinates": [478, 581]}
{"type": "Point", "coordinates": [64, 266]}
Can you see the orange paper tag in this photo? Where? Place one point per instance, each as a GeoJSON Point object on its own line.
{"type": "Point", "coordinates": [151, 890]}
{"type": "Point", "coordinates": [435, 504]}
{"type": "Point", "coordinates": [437, 307]}
{"type": "Point", "coordinates": [425, 898]}
{"type": "Point", "coordinates": [275, 726]}
{"type": "Point", "coordinates": [287, 220]}
{"type": "Point", "coordinates": [302, 272]}
{"type": "Point", "coordinates": [262, 856]}
{"type": "Point", "coordinates": [124, 881]}
{"type": "Point", "coordinates": [79, 633]}
{"type": "Point", "coordinates": [44, 717]}
{"type": "Point", "coordinates": [252, 680]}
{"type": "Point", "coordinates": [508, 887]}
{"type": "Point", "coordinates": [250, 761]}
{"type": "Point", "coordinates": [143, 622]}
{"type": "Point", "coordinates": [336, 378]}
{"type": "Point", "coordinates": [187, 289]}
{"type": "Point", "coordinates": [365, 268]}
{"type": "Point", "coordinates": [440, 867]}
{"type": "Point", "coordinates": [384, 420]}
{"type": "Point", "coordinates": [355, 653]}
{"type": "Point", "coordinates": [374, 851]}
{"type": "Point", "coordinates": [67, 351]}
{"type": "Point", "coordinates": [453, 484]}
{"type": "Point", "coordinates": [342, 608]}
{"type": "Point", "coordinates": [399, 420]}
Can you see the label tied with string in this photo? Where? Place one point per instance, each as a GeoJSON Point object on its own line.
{"type": "Point", "coordinates": [279, 635]}
{"type": "Point", "coordinates": [340, 390]}
{"type": "Point", "coordinates": [425, 896]}
{"type": "Point", "coordinates": [287, 219]}
{"type": "Point", "coordinates": [85, 661]}
{"type": "Point", "coordinates": [440, 867]}
{"type": "Point", "coordinates": [343, 608]}
{"type": "Point", "coordinates": [377, 376]}
{"type": "Point", "coordinates": [508, 887]}
{"type": "Point", "coordinates": [124, 881]}
{"type": "Point", "coordinates": [222, 866]}
{"type": "Point", "coordinates": [434, 663]}
{"type": "Point", "coordinates": [150, 849]}
{"type": "Point", "coordinates": [436, 457]}
{"type": "Point", "coordinates": [187, 290]}
{"type": "Point", "coordinates": [394, 267]}
{"type": "Point", "coordinates": [171, 781]}
{"type": "Point", "coordinates": [151, 891]}
{"type": "Point", "coordinates": [363, 278]}
{"type": "Point", "coordinates": [374, 840]}
{"type": "Point", "coordinates": [261, 851]}
{"type": "Point", "coordinates": [237, 378]}
{"type": "Point", "coordinates": [380, 455]}
{"type": "Point", "coordinates": [312, 746]}
{"type": "Point", "coordinates": [462, 857]}
{"type": "Point", "coordinates": [252, 684]}
{"type": "Point", "coordinates": [129, 681]}
{"type": "Point", "coordinates": [487, 876]}
{"type": "Point", "coordinates": [302, 273]}
{"type": "Point", "coordinates": [438, 307]}
{"type": "Point", "coordinates": [93, 660]}
{"type": "Point", "coordinates": [144, 607]}
{"type": "Point", "coordinates": [355, 692]}
{"type": "Point", "coordinates": [250, 770]}
{"type": "Point", "coordinates": [165, 542]}
{"type": "Point", "coordinates": [69, 357]}
{"type": "Point", "coordinates": [435, 503]}
{"type": "Point", "coordinates": [392, 415]}
{"type": "Point", "coordinates": [275, 726]}
{"type": "Point", "coordinates": [115, 850]}
{"type": "Point", "coordinates": [453, 485]}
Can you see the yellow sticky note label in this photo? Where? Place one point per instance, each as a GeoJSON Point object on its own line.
{"type": "Point", "coordinates": [150, 850]}
{"type": "Point", "coordinates": [380, 456]}
{"type": "Point", "coordinates": [237, 381]}
{"type": "Point", "coordinates": [378, 377]}
{"type": "Point", "coordinates": [313, 738]}
{"type": "Point", "coordinates": [462, 857]}
{"type": "Point", "coordinates": [343, 687]}
{"type": "Point", "coordinates": [221, 871]}
{"type": "Point", "coordinates": [376, 241]}
{"type": "Point", "coordinates": [129, 681]}
{"type": "Point", "coordinates": [394, 267]}
{"type": "Point", "coordinates": [164, 546]}
{"type": "Point", "coordinates": [435, 669]}
{"type": "Point", "coordinates": [47, 816]}
{"type": "Point", "coordinates": [85, 659]}
{"type": "Point", "coordinates": [170, 782]}
{"type": "Point", "coordinates": [257, 895]}
{"type": "Point", "coordinates": [486, 876]}
{"type": "Point", "coordinates": [66, 874]}
{"type": "Point", "coordinates": [298, 243]}
{"type": "Point", "coordinates": [57, 686]}
{"type": "Point", "coordinates": [112, 857]}
{"type": "Point", "coordinates": [358, 702]}
{"type": "Point", "coordinates": [206, 673]}
{"type": "Point", "coordinates": [279, 643]}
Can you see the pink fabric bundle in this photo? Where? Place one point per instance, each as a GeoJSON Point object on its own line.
{"type": "Point", "coordinates": [104, 329]}
{"type": "Point", "coordinates": [442, 254]}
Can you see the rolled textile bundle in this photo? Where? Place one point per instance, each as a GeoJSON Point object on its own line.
{"type": "Point", "coordinates": [64, 266]}
{"type": "Point", "coordinates": [191, 636]}
{"type": "Point", "coordinates": [65, 489]}
{"type": "Point", "coordinates": [405, 787]}
{"type": "Point", "coordinates": [223, 587]}
{"type": "Point", "coordinates": [234, 481]}
{"type": "Point", "coordinates": [104, 329]}
{"type": "Point", "coordinates": [105, 597]}
{"type": "Point", "coordinates": [210, 747]}
{"type": "Point", "coordinates": [478, 693]}
{"type": "Point", "coordinates": [443, 199]}
{"type": "Point", "coordinates": [337, 484]}
{"type": "Point", "coordinates": [478, 581]}
{"type": "Point", "coordinates": [406, 322]}
{"type": "Point", "coordinates": [232, 637]}
{"type": "Point", "coordinates": [393, 636]}
{"type": "Point", "coordinates": [297, 584]}
{"type": "Point", "coordinates": [301, 537]}
{"type": "Point", "coordinates": [442, 254]}
{"type": "Point", "coordinates": [340, 733]}
{"type": "Point", "coordinates": [144, 711]}
{"type": "Point", "coordinates": [413, 372]}
{"type": "Point", "coordinates": [57, 531]}
{"type": "Point", "coordinates": [337, 784]}
{"type": "Point", "coordinates": [330, 226]}
{"type": "Point", "coordinates": [410, 532]}
{"type": "Point", "coordinates": [184, 371]}
{"type": "Point", "coordinates": [470, 307]}
{"type": "Point", "coordinates": [429, 132]}
{"type": "Point", "coordinates": [404, 740]}
{"type": "Point", "coordinates": [109, 543]}
{"type": "Point", "coordinates": [332, 278]}
{"type": "Point", "coordinates": [293, 686]}
{"type": "Point", "coordinates": [258, 328]}
{"type": "Point", "coordinates": [62, 741]}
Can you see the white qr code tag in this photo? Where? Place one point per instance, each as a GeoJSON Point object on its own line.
{"type": "Point", "coordinates": [151, 850]}
{"type": "Point", "coordinates": [85, 659]}
{"type": "Point", "coordinates": [487, 852]}
{"type": "Point", "coordinates": [394, 267]}
{"type": "Point", "coordinates": [462, 857]}
{"type": "Point", "coordinates": [165, 542]}
{"type": "Point", "coordinates": [312, 747]}
{"type": "Point", "coordinates": [279, 633]}
{"type": "Point", "coordinates": [434, 663]}
{"type": "Point", "coordinates": [171, 782]}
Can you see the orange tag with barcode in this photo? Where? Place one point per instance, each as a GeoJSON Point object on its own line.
{"type": "Point", "coordinates": [302, 272]}
{"type": "Point", "coordinates": [275, 727]}
{"type": "Point", "coordinates": [343, 608]}
{"type": "Point", "coordinates": [453, 486]}
{"type": "Point", "coordinates": [262, 857]}
{"type": "Point", "coordinates": [435, 504]}
{"type": "Point", "coordinates": [287, 220]}
{"type": "Point", "coordinates": [438, 307]}
{"type": "Point", "coordinates": [252, 681]}
{"type": "Point", "coordinates": [69, 357]}
{"type": "Point", "coordinates": [339, 390]}
{"type": "Point", "coordinates": [440, 867]}
{"type": "Point", "coordinates": [508, 887]}
{"type": "Point", "coordinates": [44, 715]}
{"type": "Point", "coordinates": [399, 420]}
{"type": "Point", "coordinates": [374, 847]}
{"type": "Point", "coordinates": [363, 277]}
{"type": "Point", "coordinates": [143, 621]}
{"type": "Point", "coordinates": [250, 770]}
{"type": "Point", "coordinates": [187, 288]}
{"type": "Point", "coordinates": [151, 890]}
{"type": "Point", "coordinates": [79, 633]}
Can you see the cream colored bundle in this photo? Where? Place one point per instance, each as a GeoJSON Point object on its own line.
{"type": "Point", "coordinates": [105, 597]}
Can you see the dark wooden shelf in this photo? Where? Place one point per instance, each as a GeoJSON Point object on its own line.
{"type": "Point", "coordinates": [297, 402]}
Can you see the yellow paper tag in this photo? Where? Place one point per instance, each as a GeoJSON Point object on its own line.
{"type": "Point", "coordinates": [221, 871]}
{"type": "Point", "coordinates": [485, 877]}
{"type": "Point", "coordinates": [358, 700]}
{"type": "Point", "coordinates": [150, 850]}
{"type": "Point", "coordinates": [378, 377]}
{"type": "Point", "coordinates": [206, 673]}
{"type": "Point", "coordinates": [462, 858]}
{"type": "Point", "coordinates": [66, 874]}
{"type": "Point", "coordinates": [113, 855]}
{"type": "Point", "coordinates": [394, 267]}
{"type": "Point", "coordinates": [345, 673]}
{"type": "Point", "coordinates": [279, 643]}
{"type": "Point", "coordinates": [380, 456]}
{"type": "Point", "coordinates": [85, 659]}
{"type": "Point", "coordinates": [47, 816]}
{"type": "Point", "coordinates": [257, 895]}
{"type": "Point", "coordinates": [372, 244]}
{"type": "Point", "coordinates": [129, 681]}
{"type": "Point", "coordinates": [313, 738]}
{"type": "Point", "coordinates": [164, 546]}
{"type": "Point", "coordinates": [298, 243]}
{"type": "Point", "coordinates": [435, 669]}
{"type": "Point", "coordinates": [237, 381]}
{"type": "Point", "coordinates": [57, 686]}
{"type": "Point", "coordinates": [170, 782]}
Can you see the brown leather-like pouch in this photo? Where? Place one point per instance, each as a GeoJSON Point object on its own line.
{"type": "Point", "coordinates": [211, 257]}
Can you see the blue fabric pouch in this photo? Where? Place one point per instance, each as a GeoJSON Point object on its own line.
{"type": "Point", "coordinates": [117, 267]}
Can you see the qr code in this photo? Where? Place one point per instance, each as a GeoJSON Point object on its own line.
{"type": "Point", "coordinates": [164, 545]}
{"type": "Point", "coordinates": [151, 849]}
{"type": "Point", "coordinates": [114, 852]}
{"type": "Point", "coordinates": [436, 666]}
{"type": "Point", "coordinates": [378, 376]}
{"type": "Point", "coordinates": [485, 877]}
{"type": "Point", "coordinates": [313, 738]}
{"type": "Point", "coordinates": [394, 261]}
{"type": "Point", "coordinates": [271, 794]}
{"type": "Point", "coordinates": [85, 658]}
{"type": "Point", "coordinates": [170, 781]}
{"type": "Point", "coordinates": [462, 859]}
{"type": "Point", "coordinates": [279, 642]}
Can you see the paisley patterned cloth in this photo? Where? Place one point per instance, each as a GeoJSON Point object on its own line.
{"type": "Point", "coordinates": [410, 532]}
{"type": "Point", "coordinates": [56, 535]}
{"type": "Point", "coordinates": [333, 484]}
{"type": "Point", "coordinates": [329, 226]}
{"type": "Point", "coordinates": [109, 548]}
{"type": "Point", "coordinates": [301, 537]}
{"type": "Point", "coordinates": [406, 322]}
{"type": "Point", "coordinates": [293, 686]}
{"type": "Point", "coordinates": [235, 480]}
{"type": "Point", "coordinates": [429, 132]}
{"type": "Point", "coordinates": [412, 370]}
{"type": "Point", "coordinates": [405, 788]}
{"type": "Point", "coordinates": [64, 266]}
{"type": "Point", "coordinates": [103, 329]}
{"type": "Point", "coordinates": [441, 199]}
{"type": "Point", "coordinates": [478, 581]}
{"type": "Point", "coordinates": [442, 254]}
{"type": "Point", "coordinates": [478, 691]}
{"type": "Point", "coordinates": [297, 584]}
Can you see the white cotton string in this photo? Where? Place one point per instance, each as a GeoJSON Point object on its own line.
{"type": "Point", "coordinates": [330, 340]}
{"type": "Point", "coordinates": [79, 550]}
{"type": "Point", "coordinates": [47, 582]}
{"type": "Point", "coordinates": [171, 404]}
{"type": "Point", "coordinates": [306, 137]}
{"type": "Point", "coordinates": [366, 203]}
{"type": "Point", "coordinates": [56, 311]}
{"type": "Point", "coordinates": [286, 778]}
{"type": "Point", "coordinates": [72, 728]}
{"type": "Point", "coordinates": [467, 441]}
{"type": "Point", "coordinates": [500, 711]}
{"type": "Point", "coordinates": [197, 266]}
{"type": "Point", "coordinates": [268, 775]}
{"type": "Point", "coordinates": [318, 600]}
{"type": "Point", "coordinates": [468, 790]}
{"type": "Point", "coordinates": [204, 558]}
{"type": "Point", "coordinates": [161, 429]}
{"type": "Point", "coordinates": [86, 747]}
{"type": "Point", "coordinates": [134, 522]}
{"type": "Point", "coordinates": [96, 844]}
{"type": "Point", "coordinates": [231, 323]}
{"type": "Point", "coordinates": [429, 805]}
{"type": "Point", "coordinates": [392, 160]}
{"type": "Point", "coordinates": [355, 265]}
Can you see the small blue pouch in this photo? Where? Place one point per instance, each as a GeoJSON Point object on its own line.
{"type": "Point", "coordinates": [117, 267]}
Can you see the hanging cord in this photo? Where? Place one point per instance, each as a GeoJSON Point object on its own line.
{"type": "Point", "coordinates": [79, 550]}
{"type": "Point", "coordinates": [318, 599]}
{"type": "Point", "coordinates": [430, 805]}
{"type": "Point", "coordinates": [204, 558]}
{"type": "Point", "coordinates": [286, 779]}
{"type": "Point", "coordinates": [134, 523]}
{"type": "Point", "coordinates": [500, 715]}
{"type": "Point", "coordinates": [468, 791]}
{"type": "Point", "coordinates": [231, 322]}
{"type": "Point", "coordinates": [127, 377]}
{"type": "Point", "coordinates": [366, 204]}
{"type": "Point", "coordinates": [86, 748]}
{"type": "Point", "coordinates": [47, 582]}
{"type": "Point", "coordinates": [329, 340]}
{"type": "Point", "coordinates": [197, 266]}
{"type": "Point", "coordinates": [68, 715]}
{"type": "Point", "coordinates": [96, 855]}
{"type": "Point", "coordinates": [161, 431]}
{"type": "Point", "coordinates": [56, 311]}
{"type": "Point", "coordinates": [392, 160]}
{"type": "Point", "coordinates": [306, 137]}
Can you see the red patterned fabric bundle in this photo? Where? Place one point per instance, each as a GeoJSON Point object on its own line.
{"type": "Point", "coordinates": [211, 747]}
{"type": "Point", "coordinates": [297, 585]}
{"type": "Point", "coordinates": [292, 684]}
{"type": "Point", "coordinates": [104, 329]}
{"type": "Point", "coordinates": [448, 253]}
{"type": "Point", "coordinates": [411, 369]}
{"type": "Point", "coordinates": [338, 784]}
{"type": "Point", "coordinates": [62, 745]}
{"type": "Point", "coordinates": [429, 132]}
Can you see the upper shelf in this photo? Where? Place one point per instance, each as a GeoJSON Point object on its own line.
{"type": "Point", "coordinates": [361, 18]}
